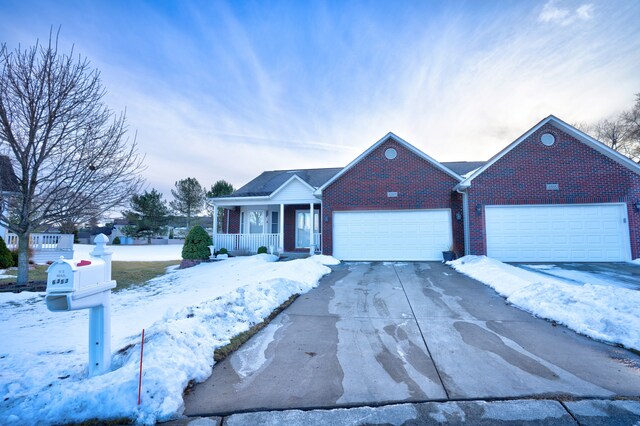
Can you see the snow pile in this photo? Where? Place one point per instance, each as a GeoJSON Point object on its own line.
{"type": "Point", "coordinates": [602, 312]}
{"type": "Point", "coordinates": [186, 314]}
{"type": "Point", "coordinates": [4, 274]}
{"type": "Point", "coordinates": [133, 253]}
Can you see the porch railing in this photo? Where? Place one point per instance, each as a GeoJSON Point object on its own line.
{"type": "Point", "coordinates": [43, 242]}
{"type": "Point", "coordinates": [251, 242]}
{"type": "Point", "coordinates": [245, 242]}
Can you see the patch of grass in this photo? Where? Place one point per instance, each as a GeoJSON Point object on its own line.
{"type": "Point", "coordinates": [38, 273]}
{"type": "Point", "coordinates": [238, 340]}
{"type": "Point", "coordinates": [129, 274]}
{"type": "Point", "coordinates": [126, 274]}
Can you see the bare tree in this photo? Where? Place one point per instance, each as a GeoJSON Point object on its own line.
{"type": "Point", "coordinates": [70, 151]}
{"type": "Point", "coordinates": [615, 134]}
{"type": "Point", "coordinates": [632, 121]}
{"type": "Point", "coordinates": [621, 133]}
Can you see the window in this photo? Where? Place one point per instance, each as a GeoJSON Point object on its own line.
{"type": "Point", "coordinates": [242, 222]}
{"type": "Point", "coordinates": [256, 222]}
{"type": "Point", "coordinates": [275, 222]}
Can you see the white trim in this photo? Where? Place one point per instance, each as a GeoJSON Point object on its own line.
{"type": "Point", "coordinates": [281, 187]}
{"type": "Point", "coordinates": [402, 142]}
{"type": "Point", "coordinates": [580, 136]}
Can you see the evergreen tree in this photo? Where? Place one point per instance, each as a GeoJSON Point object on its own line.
{"type": "Point", "coordinates": [219, 189]}
{"type": "Point", "coordinates": [189, 198]}
{"type": "Point", "coordinates": [196, 245]}
{"type": "Point", "coordinates": [148, 215]}
{"type": "Point", "coordinates": [6, 259]}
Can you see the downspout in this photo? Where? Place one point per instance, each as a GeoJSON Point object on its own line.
{"type": "Point", "coordinates": [465, 220]}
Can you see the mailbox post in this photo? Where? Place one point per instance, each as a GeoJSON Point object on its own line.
{"type": "Point", "coordinates": [86, 284]}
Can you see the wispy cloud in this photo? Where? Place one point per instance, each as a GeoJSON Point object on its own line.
{"type": "Point", "coordinates": [225, 91]}
{"type": "Point", "coordinates": [553, 12]}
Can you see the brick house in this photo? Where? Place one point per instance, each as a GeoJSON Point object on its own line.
{"type": "Point", "coordinates": [554, 194]}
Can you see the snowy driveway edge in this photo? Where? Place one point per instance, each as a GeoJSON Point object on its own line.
{"type": "Point", "coordinates": [185, 319]}
{"type": "Point", "coordinates": [602, 312]}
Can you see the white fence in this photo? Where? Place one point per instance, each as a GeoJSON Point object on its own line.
{"type": "Point", "coordinates": [245, 242]}
{"type": "Point", "coordinates": [45, 247]}
{"type": "Point", "coordinates": [251, 242]}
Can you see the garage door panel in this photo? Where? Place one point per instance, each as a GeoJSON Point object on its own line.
{"type": "Point", "coordinates": [391, 235]}
{"type": "Point", "coordinates": [558, 232]}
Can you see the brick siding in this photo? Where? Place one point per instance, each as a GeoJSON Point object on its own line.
{"type": "Point", "coordinates": [583, 175]}
{"type": "Point", "coordinates": [419, 184]}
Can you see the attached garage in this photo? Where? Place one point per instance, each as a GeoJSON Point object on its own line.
{"type": "Point", "coordinates": [559, 233]}
{"type": "Point", "coordinates": [405, 235]}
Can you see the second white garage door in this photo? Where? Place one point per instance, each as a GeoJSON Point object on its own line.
{"type": "Point", "coordinates": [558, 233]}
{"type": "Point", "coordinates": [391, 235]}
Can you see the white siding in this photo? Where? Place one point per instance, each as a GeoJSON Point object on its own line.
{"type": "Point", "coordinates": [294, 191]}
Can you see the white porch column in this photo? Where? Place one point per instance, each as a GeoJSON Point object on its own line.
{"type": "Point", "coordinates": [215, 221]}
{"type": "Point", "coordinates": [281, 230]}
{"type": "Point", "coordinates": [311, 246]}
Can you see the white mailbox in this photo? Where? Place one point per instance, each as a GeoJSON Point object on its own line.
{"type": "Point", "coordinates": [77, 278]}
{"type": "Point", "coordinates": [73, 284]}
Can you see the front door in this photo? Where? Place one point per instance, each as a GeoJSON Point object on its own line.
{"type": "Point", "coordinates": [303, 226]}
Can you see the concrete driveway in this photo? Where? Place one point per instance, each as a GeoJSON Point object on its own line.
{"type": "Point", "coordinates": [375, 333]}
{"type": "Point", "coordinates": [626, 275]}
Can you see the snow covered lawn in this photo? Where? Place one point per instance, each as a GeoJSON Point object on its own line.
{"type": "Point", "coordinates": [603, 312]}
{"type": "Point", "coordinates": [186, 315]}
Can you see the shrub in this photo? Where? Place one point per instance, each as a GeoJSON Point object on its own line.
{"type": "Point", "coordinates": [262, 249]}
{"type": "Point", "coordinates": [196, 245]}
{"type": "Point", "coordinates": [116, 241]}
{"type": "Point", "coordinates": [223, 251]}
{"type": "Point", "coordinates": [6, 258]}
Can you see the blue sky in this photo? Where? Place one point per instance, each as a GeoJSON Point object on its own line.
{"type": "Point", "coordinates": [218, 90]}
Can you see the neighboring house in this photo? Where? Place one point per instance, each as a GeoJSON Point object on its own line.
{"type": "Point", "coordinates": [45, 246]}
{"type": "Point", "coordinates": [8, 186]}
{"type": "Point", "coordinates": [554, 194]}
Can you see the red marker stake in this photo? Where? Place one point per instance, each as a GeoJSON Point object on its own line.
{"type": "Point", "coordinates": [140, 379]}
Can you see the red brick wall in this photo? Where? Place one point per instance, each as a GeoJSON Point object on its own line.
{"type": "Point", "coordinates": [234, 221]}
{"type": "Point", "coordinates": [583, 175]}
{"type": "Point", "coordinates": [419, 185]}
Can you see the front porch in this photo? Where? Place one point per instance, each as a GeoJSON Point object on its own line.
{"type": "Point", "coordinates": [282, 228]}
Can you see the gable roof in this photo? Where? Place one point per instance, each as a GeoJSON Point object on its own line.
{"type": "Point", "coordinates": [8, 179]}
{"type": "Point", "coordinates": [463, 167]}
{"type": "Point", "coordinates": [269, 182]}
{"type": "Point", "coordinates": [402, 142]}
{"type": "Point", "coordinates": [561, 125]}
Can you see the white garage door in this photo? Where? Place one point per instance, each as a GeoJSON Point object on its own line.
{"type": "Point", "coordinates": [391, 235]}
{"type": "Point", "coordinates": [560, 233]}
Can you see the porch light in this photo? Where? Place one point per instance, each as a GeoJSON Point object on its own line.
{"type": "Point", "coordinates": [636, 206]}
{"type": "Point", "coordinates": [479, 208]}
{"type": "Point", "coordinates": [326, 218]}
{"type": "Point", "coordinates": [458, 216]}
